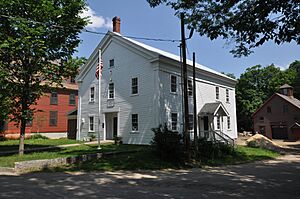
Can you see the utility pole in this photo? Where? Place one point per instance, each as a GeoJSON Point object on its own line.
{"type": "Point", "coordinates": [185, 92]}
{"type": "Point", "coordinates": [195, 104]}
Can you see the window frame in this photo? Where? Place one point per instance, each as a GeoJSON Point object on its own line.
{"type": "Point", "coordinates": [190, 87]}
{"type": "Point", "coordinates": [93, 123]}
{"type": "Point", "coordinates": [191, 122]}
{"type": "Point", "coordinates": [217, 91]}
{"type": "Point", "coordinates": [53, 100]}
{"type": "Point", "coordinates": [174, 124]}
{"type": "Point", "coordinates": [111, 91]}
{"type": "Point", "coordinates": [51, 118]}
{"type": "Point", "coordinates": [135, 86]}
{"type": "Point", "coordinates": [111, 63]}
{"type": "Point", "coordinates": [172, 84]}
{"type": "Point", "coordinates": [228, 122]}
{"type": "Point", "coordinates": [92, 99]}
{"type": "Point", "coordinates": [134, 122]}
{"type": "Point", "coordinates": [218, 123]}
{"type": "Point", "coordinates": [227, 95]}
{"type": "Point", "coordinates": [71, 100]}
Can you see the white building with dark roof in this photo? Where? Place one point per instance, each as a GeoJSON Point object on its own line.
{"type": "Point", "coordinates": [141, 88]}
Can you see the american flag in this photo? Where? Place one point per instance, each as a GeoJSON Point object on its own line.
{"type": "Point", "coordinates": [99, 68]}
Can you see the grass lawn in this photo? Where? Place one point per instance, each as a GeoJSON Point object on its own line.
{"type": "Point", "coordinates": [11, 145]}
{"type": "Point", "coordinates": [8, 160]}
{"type": "Point", "coordinates": [145, 159]}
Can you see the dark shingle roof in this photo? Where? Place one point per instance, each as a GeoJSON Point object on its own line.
{"type": "Point", "coordinates": [285, 86]}
{"type": "Point", "coordinates": [291, 100]}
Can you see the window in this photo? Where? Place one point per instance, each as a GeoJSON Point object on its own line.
{"type": "Point", "coordinates": [228, 122]}
{"type": "Point", "coordinates": [269, 110]}
{"type": "Point", "coordinates": [29, 118]}
{"type": "Point", "coordinates": [174, 121]}
{"type": "Point", "coordinates": [53, 118]}
{"type": "Point", "coordinates": [218, 122]}
{"type": "Point", "coordinates": [191, 122]}
{"type": "Point", "coordinates": [285, 109]}
{"type": "Point", "coordinates": [285, 91]}
{"type": "Point", "coordinates": [190, 88]}
{"type": "Point", "coordinates": [173, 84]}
{"type": "Point", "coordinates": [72, 99]}
{"type": "Point", "coordinates": [134, 86]}
{"type": "Point", "coordinates": [227, 95]}
{"type": "Point", "coordinates": [135, 122]}
{"type": "Point", "coordinates": [92, 94]}
{"type": "Point", "coordinates": [53, 98]}
{"type": "Point", "coordinates": [217, 92]}
{"type": "Point", "coordinates": [111, 63]}
{"type": "Point", "coordinates": [261, 119]}
{"type": "Point", "coordinates": [262, 130]}
{"type": "Point", "coordinates": [91, 123]}
{"type": "Point", "coordinates": [111, 91]}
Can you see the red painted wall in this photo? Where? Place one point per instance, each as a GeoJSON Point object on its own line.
{"type": "Point", "coordinates": [41, 118]}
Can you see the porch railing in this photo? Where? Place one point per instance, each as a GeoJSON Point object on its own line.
{"type": "Point", "coordinates": [217, 136]}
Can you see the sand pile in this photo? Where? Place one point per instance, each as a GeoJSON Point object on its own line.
{"type": "Point", "coordinates": [261, 141]}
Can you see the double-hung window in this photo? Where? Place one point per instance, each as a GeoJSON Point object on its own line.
{"type": "Point", "coordinates": [92, 94]}
{"type": "Point", "coordinates": [72, 99]}
{"type": "Point", "coordinates": [111, 63]}
{"type": "Point", "coordinates": [227, 95]}
{"type": "Point", "coordinates": [135, 122]}
{"type": "Point", "coordinates": [54, 98]}
{"type": "Point", "coordinates": [228, 122]}
{"type": "Point", "coordinates": [111, 91]}
{"type": "Point", "coordinates": [173, 83]}
{"type": "Point", "coordinates": [134, 86]}
{"type": "Point", "coordinates": [217, 92]}
{"type": "Point", "coordinates": [53, 118]}
{"type": "Point", "coordinates": [91, 123]}
{"type": "Point", "coordinates": [190, 88]}
{"type": "Point", "coordinates": [174, 121]}
{"type": "Point", "coordinates": [218, 122]}
{"type": "Point", "coordinates": [191, 122]}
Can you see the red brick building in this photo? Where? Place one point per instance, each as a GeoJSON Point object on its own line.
{"type": "Point", "coordinates": [279, 116]}
{"type": "Point", "coordinates": [52, 118]}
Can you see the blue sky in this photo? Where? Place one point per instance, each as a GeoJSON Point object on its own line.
{"type": "Point", "coordinates": [138, 19]}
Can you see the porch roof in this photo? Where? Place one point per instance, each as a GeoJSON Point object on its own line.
{"type": "Point", "coordinates": [213, 109]}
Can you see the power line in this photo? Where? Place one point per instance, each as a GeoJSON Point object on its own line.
{"type": "Point", "coordinates": [90, 31]}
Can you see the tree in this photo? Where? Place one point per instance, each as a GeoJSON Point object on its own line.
{"type": "Point", "coordinates": [254, 87]}
{"type": "Point", "coordinates": [249, 23]}
{"type": "Point", "coordinates": [36, 40]}
{"type": "Point", "coordinates": [295, 68]}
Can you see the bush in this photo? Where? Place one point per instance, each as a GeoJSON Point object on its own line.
{"type": "Point", "coordinates": [208, 150]}
{"type": "Point", "coordinates": [38, 136]}
{"type": "Point", "coordinates": [167, 144]}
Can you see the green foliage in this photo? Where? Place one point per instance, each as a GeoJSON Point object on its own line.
{"type": "Point", "coordinates": [36, 40]}
{"type": "Point", "coordinates": [295, 68]}
{"type": "Point", "coordinates": [167, 144]}
{"type": "Point", "coordinates": [38, 136]}
{"type": "Point", "coordinates": [254, 87]}
{"type": "Point", "coordinates": [209, 150]}
{"type": "Point", "coordinates": [248, 23]}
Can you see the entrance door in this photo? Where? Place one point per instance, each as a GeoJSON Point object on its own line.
{"type": "Point", "coordinates": [205, 126]}
{"type": "Point", "coordinates": [115, 127]}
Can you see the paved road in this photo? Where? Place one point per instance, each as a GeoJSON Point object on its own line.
{"type": "Point", "coordinates": [269, 179]}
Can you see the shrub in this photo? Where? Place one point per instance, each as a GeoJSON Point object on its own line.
{"type": "Point", "coordinates": [38, 136]}
{"type": "Point", "coordinates": [208, 150]}
{"type": "Point", "coordinates": [167, 144]}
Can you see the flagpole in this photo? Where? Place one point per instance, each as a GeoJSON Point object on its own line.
{"type": "Point", "coordinates": [99, 97]}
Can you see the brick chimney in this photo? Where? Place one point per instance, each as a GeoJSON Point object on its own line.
{"type": "Point", "coordinates": [116, 24]}
{"type": "Point", "coordinates": [287, 90]}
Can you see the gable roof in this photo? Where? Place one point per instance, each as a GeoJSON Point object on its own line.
{"type": "Point", "coordinates": [291, 100]}
{"type": "Point", "coordinates": [285, 86]}
{"type": "Point", "coordinates": [153, 51]}
{"type": "Point", "coordinates": [213, 108]}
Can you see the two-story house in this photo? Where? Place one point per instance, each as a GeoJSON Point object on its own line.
{"type": "Point", "coordinates": [279, 116]}
{"type": "Point", "coordinates": [141, 88]}
{"type": "Point", "coordinates": [51, 116]}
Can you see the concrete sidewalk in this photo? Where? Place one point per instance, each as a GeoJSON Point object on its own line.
{"type": "Point", "coordinates": [55, 147]}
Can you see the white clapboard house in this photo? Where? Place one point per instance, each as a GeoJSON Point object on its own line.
{"type": "Point", "coordinates": [141, 88]}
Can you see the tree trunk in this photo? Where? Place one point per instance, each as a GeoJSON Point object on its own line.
{"type": "Point", "coordinates": [22, 136]}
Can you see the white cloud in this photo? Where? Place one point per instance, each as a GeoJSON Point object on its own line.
{"type": "Point", "coordinates": [282, 68]}
{"type": "Point", "coordinates": [95, 20]}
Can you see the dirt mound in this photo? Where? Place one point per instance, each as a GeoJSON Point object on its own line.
{"type": "Point", "coordinates": [261, 141]}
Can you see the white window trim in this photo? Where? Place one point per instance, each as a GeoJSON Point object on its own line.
{"type": "Point", "coordinates": [218, 119]}
{"type": "Point", "coordinates": [109, 63]}
{"type": "Point", "coordinates": [227, 92]}
{"type": "Point", "coordinates": [217, 98]}
{"type": "Point", "coordinates": [172, 121]}
{"type": "Point", "coordinates": [171, 84]}
{"type": "Point", "coordinates": [135, 131]}
{"type": "Point", "coordinates": [108, 97]}
{"type": "Point", "coordinates": [135, 94]}
{"type": "Point", "coordinates": [189, 80]}
{"type": "Point", "coordinates": [90, 99]}
{"type": "Point", "coordinates": [228, 126]}
{"type": "Point", "coordinates": [90, 123]}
